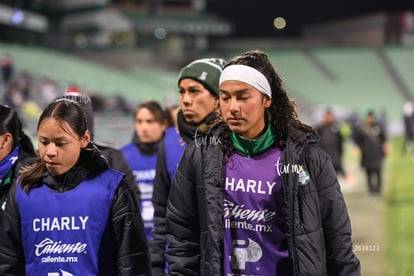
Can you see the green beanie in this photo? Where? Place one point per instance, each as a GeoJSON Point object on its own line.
{"type": "Point", "coordinates": [366, 110]}
{"type": "Point", "coordinates": [207, 71]}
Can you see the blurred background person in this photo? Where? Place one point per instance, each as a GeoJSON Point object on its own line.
{"type": "Point", "coordinates": [371, 139]}
{"type": "Point", "coordinates": [16, 150]}
{"type": "Point", "coordinates": [6, 68]}
{"type": "Point", "coordinates": [408, 120]}
{"type": "Point", "coordinates": [198, 86]}
{"type": "Point", "coordinates": [48, 91]}
{"type": "Point", "coordinates": [13, 95]}
{"type": "Point", "coordinates": [141, 154]}
{"type": "Point", "coordinates": [19, 90]}
{"type": "Point", "coordinates": [332, 140]}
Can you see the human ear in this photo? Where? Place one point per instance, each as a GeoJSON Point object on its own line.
{"type": "Point", "coordinates": [216, 103]}
{"type": "Point", "coordinates": [267, 102]}
{"type": "Point", "coordinates": [86, 139]}
{"type": "Point", "coordinates": [7, 139]}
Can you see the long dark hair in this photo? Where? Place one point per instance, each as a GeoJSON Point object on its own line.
{"type": "Point", "coordinates": [65, 111]}
{"type": "Point", "coordinates": [11, 123]}
{"type": "Point", "coordinates": [282, 113]}
{"type": "Point", "coordinates": [155, 108]}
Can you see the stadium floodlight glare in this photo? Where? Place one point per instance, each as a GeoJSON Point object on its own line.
{"type": "Point", "coordinates": [279, 23]}
{"type": "Point", "coordinates": [17, 18]}
{"type": "Point", "coordinates": [160, 33]}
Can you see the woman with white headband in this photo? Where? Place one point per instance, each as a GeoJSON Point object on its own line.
{"type": "Point", "coordinates": [257, 196]}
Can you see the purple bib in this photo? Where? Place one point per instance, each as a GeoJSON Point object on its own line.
{"type": "Point", "coordinates": [254, 238]}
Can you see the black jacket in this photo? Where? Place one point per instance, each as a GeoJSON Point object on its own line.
{"type": "Point", "coordinates": [116, 160]}
{"type": "Point", "coordinates": [319, 229]}
{"type": "Point", "coordinates": [124, 232]}
{"type": "Point", "coordinates": [370, 138]}
{"type": "Point", "coordinates": [331, 141]}
{"type": "Point", "coordinates": [158, 242]}
{"type": "Point", "coordinates": [162, 185]}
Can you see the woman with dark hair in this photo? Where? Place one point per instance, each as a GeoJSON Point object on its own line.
{"type": "Point", "coordinates": [257, 196]}
{"type": "Point", "coordinates": [69, 212]}
{"type": "Point", "coordinates": [16, 150]}
{"type": "Point", "coordinates": [150, 123]}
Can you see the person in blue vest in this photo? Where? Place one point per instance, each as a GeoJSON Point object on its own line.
{"type": "Point", "coordinates": [256, 195]}
{"type": "Point", "coordinates": [141, 154]}
{"type": "Point", "coordinates": [69, 213]}
{"type": "Point", "coordinates": [198, 112]}
{"type": "Point", "coordinates": [16, 150]}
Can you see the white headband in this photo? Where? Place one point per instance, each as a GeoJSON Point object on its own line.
{"type": "Point", "coordinates": [247, 75]}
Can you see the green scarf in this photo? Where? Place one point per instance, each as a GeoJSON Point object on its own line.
{"type": "Point", "coordinates": [254, 146]}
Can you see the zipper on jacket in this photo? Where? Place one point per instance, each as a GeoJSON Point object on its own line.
{"type": "Point", "coordinates": [61, 187]}
{"type": "Point", "coordinates": [291, 207]}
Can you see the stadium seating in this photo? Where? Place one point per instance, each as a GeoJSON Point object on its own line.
{"type": "Point", "coordinates": [347, 77]}
{"type": "Point", "coordinates": [69, 69]}
{"type": "Point", "coordinates": [356, 78]}
{"type": "Point", "coordinates": [402, 60]}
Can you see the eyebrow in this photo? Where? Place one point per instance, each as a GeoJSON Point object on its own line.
{"type": "Point", "coordinates": [238, 92]}
{"type": "Point", "coordinates": [53, 139]}
{"type": "Point", "coordinates": [138, 119]}
{"type": "Point", "coordinates": [192, 86]}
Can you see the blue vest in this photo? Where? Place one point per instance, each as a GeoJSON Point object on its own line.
{"type": "Point", "coordinates": [143, 168]}
{"type": "Point", "coordinates": [62, 232]}
{"type": "Point", "coordinates": [174, 149]}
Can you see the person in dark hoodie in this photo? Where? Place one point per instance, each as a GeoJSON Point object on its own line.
{"type": "Point", "coordinates": [150, 123]}
{"type": "Point", "coordinates": [371, 139]}
{"type": "Point", "coordinates": [331, 140]}
{"type": "Point", "coordinates": [256, 195]}
{"type": "Point", "coordinates": [16, 150]}
{"type": "Point", "coordinates": [198, 112]}
{"type": "Point", "coordinates": [69, 212]}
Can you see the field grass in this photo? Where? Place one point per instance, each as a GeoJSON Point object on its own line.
{"type": "Point", "coordinates": [399, 214]}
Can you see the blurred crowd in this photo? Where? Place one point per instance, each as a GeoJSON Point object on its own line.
{"type": "Point", "coordinates": [30, 93]}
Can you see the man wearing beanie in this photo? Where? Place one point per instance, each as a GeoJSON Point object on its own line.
{"type": "Point", "coordinates": [198, 86]}
{"type": "Point", "coordinates": [206, 71]}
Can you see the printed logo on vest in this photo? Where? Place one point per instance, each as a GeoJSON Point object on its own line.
{"type": "Point", "coordinates": [49, 247]}
{"type": "Point", "coordinates": [64, 273]}
{"type": "Point", "coordinates": [13, 159]}
{"type": "Point", "coordinates": [244, 254]}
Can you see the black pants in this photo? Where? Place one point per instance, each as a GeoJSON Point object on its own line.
{"type": "Point", "coordinates": [374, 180]}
